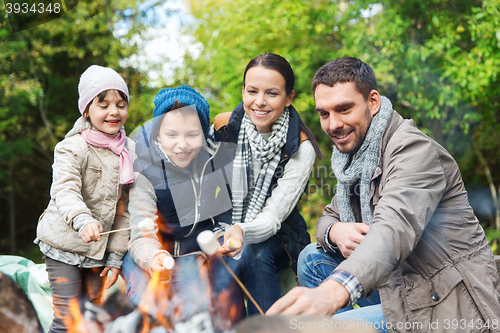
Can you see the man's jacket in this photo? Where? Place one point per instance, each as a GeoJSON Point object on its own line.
{"type": "Point", "coordinates": [426, 251]}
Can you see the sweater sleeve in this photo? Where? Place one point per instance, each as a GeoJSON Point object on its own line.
{"type": "Point", "coordinates": [284, 197]}
{"type": "Point", "coordinates": [143, 246]}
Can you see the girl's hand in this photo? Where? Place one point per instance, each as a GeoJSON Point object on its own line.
{"type": "Point", "coordinates": [110, 280]}
{"type": "Point", "coordinates": [233, 231]}
{"type": "Point", "coordinates": [165, 275]}
{"type": "Point", "coordinates": [91, 232]}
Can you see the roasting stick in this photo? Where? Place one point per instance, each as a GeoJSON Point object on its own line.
{"type": "Point", "coordinates": [208, 243]}
{"type": "Point", "coordinates": [145, 226]}
{"type": "Point", "coordinates": [116, 230]}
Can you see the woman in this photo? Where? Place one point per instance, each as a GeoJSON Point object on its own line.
{"type": "Point", "coordinates": [275, 155]}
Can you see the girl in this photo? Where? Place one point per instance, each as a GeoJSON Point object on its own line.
{"type": "Point", "coordinates": [181, 185]}
{"type": "Point", "coordinates": [276, 152]}
{"type": "Point", "coordinates": [89, 195]}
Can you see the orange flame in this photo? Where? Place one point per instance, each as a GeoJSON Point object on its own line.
{"type": "Point", "coordinates": [155, 301]}
{"type": "Point", "coordinates": [74, 322]}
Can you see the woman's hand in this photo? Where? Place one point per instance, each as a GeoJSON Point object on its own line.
{"type": "Point", "coordinates": [91, 232]}
{"type": "Point", "coordinates": [233, 231]}
{"type": "Point", "coordinates": [165, 275]}
{"type": "Point", "coordinates": [110, 280]}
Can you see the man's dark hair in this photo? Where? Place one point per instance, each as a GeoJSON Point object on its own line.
{"type": "Point", "coordinates": [346, 69]}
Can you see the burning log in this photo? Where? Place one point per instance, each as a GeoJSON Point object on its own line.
{"type": "Point", "coordinates": [119, 315]}
{"type": "Point", "coordinates": [17, 314]}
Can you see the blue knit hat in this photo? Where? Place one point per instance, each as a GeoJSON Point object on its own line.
{"type": "Point", "coordinates": [184, 95]}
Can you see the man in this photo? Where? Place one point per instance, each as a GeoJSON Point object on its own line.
{"type": "Point", "coordinates": [401, 220]}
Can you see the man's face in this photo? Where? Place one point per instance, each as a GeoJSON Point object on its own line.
{"type": "Point", "coordinates": [345, 114]}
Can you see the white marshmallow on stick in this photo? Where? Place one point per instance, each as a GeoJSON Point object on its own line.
{"type": "Point", "coordinates": [146, 225]}
{"type": "Point", "coordinates": [168, 262]}
{"type": "Point", "coordinates": [233, 243]}
{"type": "Point", "coordinates": [207, 242]}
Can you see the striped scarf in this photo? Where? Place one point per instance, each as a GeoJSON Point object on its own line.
{"type": "Point", "coordinates": [249, 195]}
{"type": "Point", "coordinates": [349, 168]}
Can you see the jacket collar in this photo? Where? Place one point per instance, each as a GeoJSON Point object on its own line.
{"type": "Point", "coordinates": [80, 125]}
{"type": "Point", "coordinates": [230, 131]}
{"type": "Point", "coordinates": [394, 122]}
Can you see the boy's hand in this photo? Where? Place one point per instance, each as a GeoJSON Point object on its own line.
{"type": "Point", "coordinates": [91, 232]}
{"type": "Point", "coordinates": [165, 275]}
{"type": "Point", "coordinates": [236, 232]}
{"type": "Point", "coordinates": [110, 280]}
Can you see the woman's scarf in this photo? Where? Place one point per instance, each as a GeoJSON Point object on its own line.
{"type": "Point", "coordinates": [117, 146]}
{"type": "Point", "coordinates": [249, 195]}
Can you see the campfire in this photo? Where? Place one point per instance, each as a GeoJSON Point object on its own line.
{"type": "Point", "coordinates": [159, 311]}
{"type": "Point", "coordinates": [118, 314]}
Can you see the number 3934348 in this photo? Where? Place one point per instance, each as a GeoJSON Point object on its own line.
{"type": "Point", "coordinates": [26, 14]}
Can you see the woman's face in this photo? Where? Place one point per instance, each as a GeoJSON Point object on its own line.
{"type": "Point", "coordinates": [265, 97]}
{"type": "Point", "coordinates": [180, 137]}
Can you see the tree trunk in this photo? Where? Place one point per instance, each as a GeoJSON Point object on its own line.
{"type": "Point", "coordinates": [12, 213]}
{"type": "Point", "coordinates": [493, 190]}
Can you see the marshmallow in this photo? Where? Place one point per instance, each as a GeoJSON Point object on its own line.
{"type": "Point", "coordinates": [233, 243]}
{"type": "Point", "coordinates": [168, 262]}
{"type": "Point", "coordinates": [207, 242]}
{"type": "Point", "coordinates": [146, 225]}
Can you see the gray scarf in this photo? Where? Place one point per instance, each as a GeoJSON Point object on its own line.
{"type": "Point", "coordinates": [350, 168]}
{"type": "Point", "coordinates": [249, 201]}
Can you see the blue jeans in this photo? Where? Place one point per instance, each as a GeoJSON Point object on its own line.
{"type": "Point", "coordinates": [259, 266]}
{"type": "Point", "coordinates": [315, 265]}
{"type": "Point", "coordinates": [192, 289]}
{"type": "Point", "coordinates": [367, 317]}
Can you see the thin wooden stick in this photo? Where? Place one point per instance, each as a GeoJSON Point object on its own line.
{"type": "Point", "coordinates": [239, 282]}
{"type": "Point", "coordinates": [116, 230]}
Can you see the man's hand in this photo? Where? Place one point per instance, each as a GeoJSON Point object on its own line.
{"type": "Point", "coordinates": [347, 236]}
{"type": "Point", "coordinates": [165, 275]}
{"type": "Point", "coordinates": [110, 280]}
{"type": "Point", "coordinates": [325, 299]}
{"type": "Point", "coordinates": [233, 231]}
{"type": "Point", "coordinates": [91, 232]}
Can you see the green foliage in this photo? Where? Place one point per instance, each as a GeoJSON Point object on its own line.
{"type": "Point", "coordinates": [39, 72]}
{"type": "Point", "coordinates": [438, 62]}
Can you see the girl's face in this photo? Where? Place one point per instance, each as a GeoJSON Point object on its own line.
{"type": "Point", "coordinates": [265, 97]}
{"type": "Point", "coordinates": [180, 137]}
{"type": "Point", "coordinates": [109, 115]}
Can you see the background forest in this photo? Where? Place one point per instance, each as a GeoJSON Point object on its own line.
{"type": "Point", "coordinates": [438, 61]}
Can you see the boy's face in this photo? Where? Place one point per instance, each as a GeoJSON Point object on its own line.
{"type": "Point", "coordinates": [180, 137]}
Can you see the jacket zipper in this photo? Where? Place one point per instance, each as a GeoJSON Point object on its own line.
{"type": "Point", "coordinates": [198, 195]}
